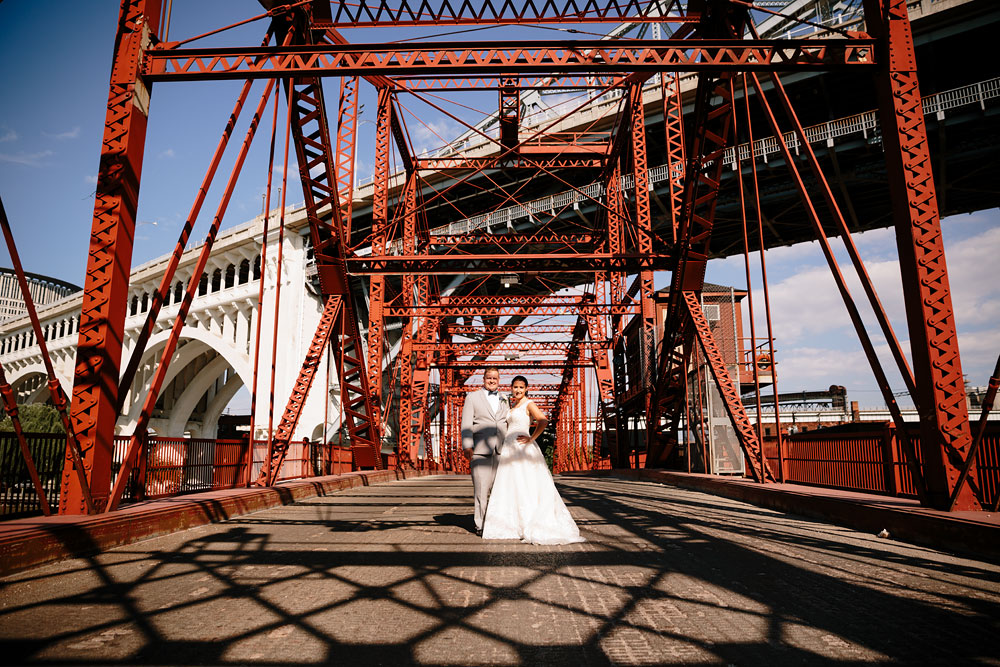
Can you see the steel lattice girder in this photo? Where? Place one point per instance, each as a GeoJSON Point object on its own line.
{"type": "Point", "coordinates": [94, 407]}
{"type": "Point", "coordinates": [590, 56]}
{"type": "Point", "coordinates": [563, 347]}
{"type": "Point", "coordinates": [401, 13]}
{"type": "Point", "coordinates": [946, 437]}
{"type": "Point", "coordinates": [463, 264]}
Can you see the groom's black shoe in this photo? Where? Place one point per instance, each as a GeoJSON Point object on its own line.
{"type": "Point", "coordinates": [479, 532]}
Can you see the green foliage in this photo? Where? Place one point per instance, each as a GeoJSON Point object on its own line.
{"type": "Point", "coordinates": [36, 418]}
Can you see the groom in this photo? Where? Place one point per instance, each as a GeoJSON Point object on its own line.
{"type": "Point", "coordinates": [484, 425]}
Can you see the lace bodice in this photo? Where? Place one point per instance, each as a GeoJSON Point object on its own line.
{"type": "Point", "coordinates": [518, 421]}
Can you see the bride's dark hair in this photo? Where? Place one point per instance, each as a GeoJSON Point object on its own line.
{"type": "Point", "coordinates": [522, 379]}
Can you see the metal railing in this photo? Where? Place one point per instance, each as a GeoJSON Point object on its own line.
{"type": "Point", "coordinates": [172, 466]}
{"type": "Point", "coordinates": [871, 460]}
{"type": "Point", "coordinates": [17, 492]}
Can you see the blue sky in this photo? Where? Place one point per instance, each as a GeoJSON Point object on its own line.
{"type": "Point", "coordinates": [58, 57]}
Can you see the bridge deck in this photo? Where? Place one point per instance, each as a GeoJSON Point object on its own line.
{"type": "Point", "coordinates": [391, 574]}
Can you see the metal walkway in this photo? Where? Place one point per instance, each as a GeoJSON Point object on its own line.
{"type": "Point", "coordinates": [391, 574]}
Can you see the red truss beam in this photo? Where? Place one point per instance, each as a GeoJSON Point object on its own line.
{"type": "Point", "coordinates": [946, 437]}
{"type": "Point", "coordinates": [562, 347]}
{"type": "Point", "coordinates": [507, 329]}
{"type": "Point", "coordinates": [464, 264]}
{"type": "Point", "coordinates": [730, 393]}
{"type": "Point", "coordinates": [553, 366]}
{"type": "Point", "coordinates": [580, 56]}
{"type": "Point", "coordinates": [498, 306]}
{"type": "Point", "coordinates": [318, 162]}
{"type": "Point", "coordinates": [513, 240]}
{"type": "Point", "coordinates": [94, 407]}
{"type": "Point", "coordinates": [534, 388]}
{"type": "Point", "coordinates": [712, 123]}
{"type": "Point", "coordinates": [574, 347]}
{"type": "Point", "coordinates": [402, 13]}
{"type": "Point", "coordinates": [510, 114]}
{"type": "Point", "coordinates": [297, 399]}
{"type": "Point", "coordinates": [377, 286]}
{"type": "Point", "coordinates": [555, 82]}
{"type": "Point", "coordinates": [570, 159]}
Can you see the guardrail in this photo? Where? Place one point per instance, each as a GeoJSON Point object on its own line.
{"type": "Point", "coordinates": [870, 459]}
{"type": "Point", "coordinates": [172, 466]}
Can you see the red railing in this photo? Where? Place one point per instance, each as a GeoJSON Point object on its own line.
{"type": "Point", "coordinates": [184, 465]}
{"type": "Point", "coordinates": [171, 466]}
{"type": "Point", "coordinates": [870, 458]}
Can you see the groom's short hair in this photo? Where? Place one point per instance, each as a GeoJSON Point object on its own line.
{"type": "Point", "coordinates": [490, 368]}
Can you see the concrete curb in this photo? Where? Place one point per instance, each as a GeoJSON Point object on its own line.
{"type": "Point", "coordinates": [26, 543]}
{"type": "Point", "coordinates": [973, 533]}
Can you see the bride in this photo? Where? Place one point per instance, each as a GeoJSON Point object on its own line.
{"type": "Point", "coordinates": [524, 503]}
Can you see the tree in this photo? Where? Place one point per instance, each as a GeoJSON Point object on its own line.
{"type": "Point", "coordinates": [36, 418]}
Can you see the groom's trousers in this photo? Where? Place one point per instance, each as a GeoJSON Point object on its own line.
{"type": "Point", "coordinates": [484, 469]}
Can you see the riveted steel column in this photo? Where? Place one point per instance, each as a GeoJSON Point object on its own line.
{"type": "Point", "coordinates": [945, 435]}
{"type": "Point", "coordinates": [94, 407]}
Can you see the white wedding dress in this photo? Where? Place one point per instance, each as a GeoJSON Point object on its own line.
{"type": "Point", "coordinates": [524, 503]}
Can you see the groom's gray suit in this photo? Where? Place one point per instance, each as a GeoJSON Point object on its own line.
{"type": "Point", "coordinates": [483, 431]}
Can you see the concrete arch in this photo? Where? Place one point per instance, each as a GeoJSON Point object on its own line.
{"type": "Point", "coordinates": [187, 401]}
{"type": "Point", "coordinates": [41, 393]}
{"type": "Point", "coordinates": [210, 422]}
{"type": "Point", "coordinates": [238, 361]}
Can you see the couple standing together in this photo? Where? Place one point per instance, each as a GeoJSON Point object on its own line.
{"type": "Point", "coordinates": [515, 495]}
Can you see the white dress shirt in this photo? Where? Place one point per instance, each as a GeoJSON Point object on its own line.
{"type": "Point", "coordinates": [493, 397]}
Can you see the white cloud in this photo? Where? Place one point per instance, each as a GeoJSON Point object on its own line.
{"type": "Point", "coordinates": [975, 293]}
{"type": "Point", "coordinates": [434, 134]}
{"type": "Point", "coordinates": [91, 179]}
{"type": "Point", "coordinates": [27, 159]}
{"type": "Point", "coordinates": [9, 135]}
{"type": "Point", "coordinates": [816, 341]}
{"type": "Point", "coordinates": [168, 153]}
{"type": "Point", "coordinates": [68, 134]}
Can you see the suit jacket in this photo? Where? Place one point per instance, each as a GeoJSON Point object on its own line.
{"type": "Point", "coordinates": [483, 430]}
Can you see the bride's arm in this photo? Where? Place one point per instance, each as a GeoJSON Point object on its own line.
{"type": "Point", "coordinates": [541, 421]}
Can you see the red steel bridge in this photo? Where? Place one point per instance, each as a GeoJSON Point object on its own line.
{"type": "Point", "coordinates": [552, 292]}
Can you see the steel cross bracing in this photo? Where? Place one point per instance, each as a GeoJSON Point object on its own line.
{"type": "Point", "coordinates": [290, 419]}
{"type": "Point", "coordinates": [319, 167]}
{"type": "Point", "coordinates": [445, 288]}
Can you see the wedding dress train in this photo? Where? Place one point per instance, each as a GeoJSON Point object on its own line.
{"type": "Point", "coordinates": [524, 503]}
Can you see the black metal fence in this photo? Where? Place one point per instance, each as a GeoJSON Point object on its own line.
{"type": "Point", "coordinates": [17, 493]}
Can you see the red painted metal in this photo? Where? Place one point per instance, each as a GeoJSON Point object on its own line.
{"type": "Point", "coordinates": [618, 240]}
{"type": "Point", "coordinates": [991, 394]}
{"type": "Point", "coordinates": [10, 408]}
{"type": "Point", "coordinates": [767, 293]}
{"type": "Point", "coordinates": [167, 280]}
{"type": "Point", "coordinates": [279, 265]}
{"type": "Point", "coordinates": [401, 13]}
{"type": "Point", "coordinates": [252, 430]}
{"type": "Point", "coordinates": [852, 308]}
{"type": "Point", "coordinates": [278, 444]}
{"type": "Point", "coordinates": [138, 439]}
{"type": "Point", "coordinates": [580, 56]}
{"type": "Point", "coordinates": [945, 433]}
{"type": "Point", "coordinates": [845, 235]}
{"type": "Point", "coordinates": [749, 442]}
{"type": "Point", "coordinates": [102, 317]}
{"type": "Point", "coordinates": [673, 125]}
{"type": "Point", "coordinates": [317, 171]}
{"type": "Point", "coordinates": [55, 387]}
